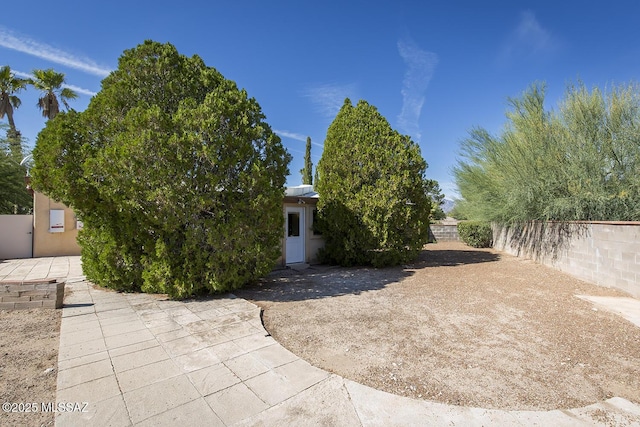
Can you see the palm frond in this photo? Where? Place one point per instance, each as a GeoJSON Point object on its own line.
{"type": "Point", "coordinates": [68, 93]}
{"type": "Point", "coordinates": [15, 101]}
{"type": "Point", "coordinates": [49, 106]}
{"type": "Point", "coordinates": [5, 106]}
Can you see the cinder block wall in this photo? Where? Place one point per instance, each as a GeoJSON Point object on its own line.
{"type": "Point", "coordinates": [603, 253]}
{"type": "Point", "coordinates": [444, 232]}
{"type": "Point", "coordinates": [31, 294]}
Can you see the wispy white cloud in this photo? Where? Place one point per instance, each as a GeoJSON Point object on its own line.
{"type": "Point", "coordinates": [24, 44]}
{"type": "Point", "coordinates": [296, 136]}
{"type": "Point", "coordinates": [291, 135]}
{"type": "Point", "coordinates": [421, 65]}
{"type": "Point", "coordinates": [81, 90]}
{"type": "Point", "coordinates": [72, 87]}
{"type": "Point", "coordinates": [529, 39]}
{"type": "Point", "coordinates": [329, 97]}
{"type": "Point", "coordinates": [21, 74]}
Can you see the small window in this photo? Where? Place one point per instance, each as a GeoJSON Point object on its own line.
{"type": "Point", "coordinates": [293, 221]}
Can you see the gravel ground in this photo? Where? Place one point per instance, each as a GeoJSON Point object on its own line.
{"type": "Point", "coordinates": [29, 365]}
{"type": "Point", "coordinates": [461, 326]}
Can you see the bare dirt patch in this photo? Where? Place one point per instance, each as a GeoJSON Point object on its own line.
{"type": "Point", "coordinates": [460, 326]}
{"type": "Point", "coordinates": [28, 365]}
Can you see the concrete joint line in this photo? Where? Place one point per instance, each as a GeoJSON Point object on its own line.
{"type": "Point", "coordinates": [355, 409]}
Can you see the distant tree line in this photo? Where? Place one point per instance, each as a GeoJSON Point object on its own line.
{"type": "Point", "coordinates": [14, 198]}
{"type": "Point", "coordinates": [579, 162]}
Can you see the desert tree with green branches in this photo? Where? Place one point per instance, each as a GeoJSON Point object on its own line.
{"type": "Point", "coordinates": [579, 162]}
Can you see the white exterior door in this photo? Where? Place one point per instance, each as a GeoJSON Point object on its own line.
{"type": "Point", "coordinates": [294, 233]}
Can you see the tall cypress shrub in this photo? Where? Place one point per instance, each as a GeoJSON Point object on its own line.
{"type": "Point", "coordinates": [174, 171]}
{"type": "Point", "coordinates": [373, 206]}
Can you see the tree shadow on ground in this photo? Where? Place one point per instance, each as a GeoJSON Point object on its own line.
{"type": "Point", "coordinates": [540, 239]}
{"type": "Point", "coordinates": [453, 257]}
{"type": "Point", "coordinates": [322, 281]}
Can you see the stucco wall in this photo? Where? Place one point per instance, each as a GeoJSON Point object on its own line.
{"type": "Point", "coordinates": [53, 244]}
{"type": "Point", "coordinates": [603, 253]}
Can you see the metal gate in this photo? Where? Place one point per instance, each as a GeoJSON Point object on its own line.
{"type": "Point", "coordinates": [16, 236]}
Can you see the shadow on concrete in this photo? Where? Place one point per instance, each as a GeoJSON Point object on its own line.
{"type": "Point", "coordinates": [321, 281]}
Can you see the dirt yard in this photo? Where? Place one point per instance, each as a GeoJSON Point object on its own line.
{"type": "Point", "coordinates": [460, 326]}
{"type": "Point", "coordinates": [28, 365]}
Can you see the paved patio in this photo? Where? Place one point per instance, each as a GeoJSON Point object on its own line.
{"type": "Point", "coordinates": [139, 359]}
{"type": "Point", "coordinates": [62, 268]}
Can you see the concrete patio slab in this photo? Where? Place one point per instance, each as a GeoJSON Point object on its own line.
{"type": "Point", "coordinates": [627, 307]}
{"type": "Point", "coordinates": [84, 373]}
{"type": "Point", "coordinates": [156, 398]}
{"type": "Point", "coordinates": [224, 404]}
{"type": "Point", "coordinates": [92, 391]}
{"type": "Point", "coordinates": [151, 373]}
{"type": "Point", "coordinates": [334, 408]}
{"type": "Point", "coordinates": [212, 379]}
{"type": "Point", "coordinates": [194, 413]}
{"type": "Point", "coordinates": [139, 358]}
{"type": "Point", "coordinates": [107, 413]}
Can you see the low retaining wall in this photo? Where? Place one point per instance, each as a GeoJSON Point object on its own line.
{"type": "Point", "coordinates": [444, 232]}
{"type": "Point", "coordinates": [31, 294]}
{"type": "Point", "coordinates": [603, 253]}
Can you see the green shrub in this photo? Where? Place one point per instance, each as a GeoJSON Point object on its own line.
{"type": "Point", "coordinates": [175, 173]}
{"type": "Point", "coordinates": [374, 207]}
{"type": "Point", "coordinates": [477, 234]}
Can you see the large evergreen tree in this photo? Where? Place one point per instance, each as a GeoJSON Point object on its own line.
{"type": "Point", "coordinates": [374, 208]}
{"type": "Point", "coordinates": [178, 178]}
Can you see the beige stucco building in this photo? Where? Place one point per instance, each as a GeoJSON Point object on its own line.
{"type": "Point", "coordinates": [55, 228]}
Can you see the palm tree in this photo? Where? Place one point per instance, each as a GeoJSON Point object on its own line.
{"type": "Point", "coordinates": [9, 86]}
{"type": "Point", "coordinates": [51, 84]}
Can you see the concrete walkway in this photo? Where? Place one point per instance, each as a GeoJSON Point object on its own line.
{"type": "Point", "coordinates": [62, 268]}
{"type": "Point", "coordinates": [143, 360]}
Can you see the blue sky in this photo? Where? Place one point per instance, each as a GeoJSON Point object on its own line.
{"type": "Point", "coordinates": [434, 70]}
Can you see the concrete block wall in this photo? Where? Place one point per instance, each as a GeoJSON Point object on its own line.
{"type": "Point", "coordinates": [445, 232]}
{"type": "Point", "coordinates": [603, 253]}
{"type": "Point", "coordinates": [31, 294]}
